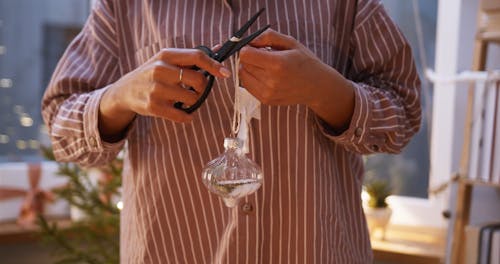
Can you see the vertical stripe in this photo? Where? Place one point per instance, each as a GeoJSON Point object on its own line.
{"type": "Point", "coordinates": [161, 171]}
{"type": "Point", "coordinates": [145, 214]}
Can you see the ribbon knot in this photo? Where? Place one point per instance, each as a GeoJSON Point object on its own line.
{"type": "Point", "coordinates": [35, 198]}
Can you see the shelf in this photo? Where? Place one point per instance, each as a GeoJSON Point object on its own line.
{"type": "Point", "coordinates": [410, 245]}
{"type": "Point", "coordinates": [480, 182]}
{"type": "Point", "coordinates": [10, 232]}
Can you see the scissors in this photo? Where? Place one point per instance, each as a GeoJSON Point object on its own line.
{"type": "Point", "coordinates": [233, 45]}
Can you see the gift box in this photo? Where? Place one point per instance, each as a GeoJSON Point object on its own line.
{"type": "Point", "coordinates": [27, 189]}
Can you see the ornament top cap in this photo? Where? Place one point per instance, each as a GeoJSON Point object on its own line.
{"type": "Point", "coordinates": [233, 143]}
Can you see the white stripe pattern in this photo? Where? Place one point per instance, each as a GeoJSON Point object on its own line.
{"type": "Point", "coordinates": [309, 207]}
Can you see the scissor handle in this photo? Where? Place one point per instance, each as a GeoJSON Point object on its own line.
{"type": "Point", "coordinates": [201, 100]}
{"type": "Point", "coordinates": [227, 49]}
{"type": "Point", "coordinates": [206, 92]}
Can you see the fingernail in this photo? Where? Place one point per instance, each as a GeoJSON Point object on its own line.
{"type": "Point", "coordinates": [225, 72]}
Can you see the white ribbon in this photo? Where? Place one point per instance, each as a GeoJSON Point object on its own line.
{"type": "Point", "coordinates": [246, 107]}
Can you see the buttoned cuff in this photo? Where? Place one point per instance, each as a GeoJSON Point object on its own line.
{"type": "Point", "coordinates": [357, 136]}
{"type": "Point", "coordinates": [92, 136]}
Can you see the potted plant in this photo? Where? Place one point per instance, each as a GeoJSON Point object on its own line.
{"type": "Point", "coordinates": [377, 211]}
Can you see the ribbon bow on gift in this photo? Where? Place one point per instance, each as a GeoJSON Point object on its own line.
{"type": "Point", "coordinates": [35, 198]}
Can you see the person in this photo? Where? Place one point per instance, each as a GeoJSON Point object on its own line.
{"type": "Point", "coordinates": [339, 81]}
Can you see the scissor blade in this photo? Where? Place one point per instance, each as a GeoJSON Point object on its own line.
{"type": "Point", "coordinates": [227, 48]}
{"type": "Point", "coordinates": [243, 43]}
{"type": "Point", "coordinates": [224, 50]}
{"type": "Point", "coordinates": [247, 25]}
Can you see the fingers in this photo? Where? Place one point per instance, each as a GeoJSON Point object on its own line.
{"type": "Point", "coordinates": [252, 84]}
{"type": "Point", "coordinates": [193, 57]}
{"type": "Point", "coordinates": [174, 93]}
{"type": "Point", "coordinates": [256, 71]}
{"type": "Point", "coordinates": [169, 75]}
{"type": "Point", "coordinates": [275, 40]}
{"type": "Point", "coordinates": [258, 57]}
{"type": "Point", "coordinates": [194, 79]}
{"type": "Point", "coordinates": [166, 110]}
{"type": "Point", "coordinates": [161, 99]}
{"type": "Point", "coordinates": [177, 115]}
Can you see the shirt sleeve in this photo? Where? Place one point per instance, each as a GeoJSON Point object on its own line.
{"type": "Point", "coordinates": [70, 105]}
{"type": "Point", "coordinates": [387, 109]}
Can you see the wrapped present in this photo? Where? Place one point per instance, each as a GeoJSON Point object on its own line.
{"type": "Point", "coordinates": [26, 190]}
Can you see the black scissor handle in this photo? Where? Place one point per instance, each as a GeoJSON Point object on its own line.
{"type": "Point", "coordinates": [206, 92]}
{"type": "Point", "coordinates": [233, 45]}
{"type": "Point", "coordinates": [201, 100]}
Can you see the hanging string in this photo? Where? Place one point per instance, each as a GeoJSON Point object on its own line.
{"type": "Point", "coordinates": [235, 64]}
{"type": "Point", "coordinates": [423, 60]}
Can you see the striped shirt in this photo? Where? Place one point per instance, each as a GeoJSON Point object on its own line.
{"type": "Point", "coordinates": [308, 209]}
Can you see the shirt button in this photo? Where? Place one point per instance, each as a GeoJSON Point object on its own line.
{"type": "Point", "coordinates": [358, 132]}
{"type": "Point", "coordinates": [375, 148]}
{"type": "Point", "coordinates": [92, 142]}
{"type": "Point", "coordinates": [247, 208]}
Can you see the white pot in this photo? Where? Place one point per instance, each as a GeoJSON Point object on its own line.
{"type": "Point", "coordinates": [377, 219]}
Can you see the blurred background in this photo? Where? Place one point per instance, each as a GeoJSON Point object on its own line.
{"type": "Point", "coordinates": [33, 36]}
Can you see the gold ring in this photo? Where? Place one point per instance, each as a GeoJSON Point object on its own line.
{"type": "Point", "coordinates": [180, 76]}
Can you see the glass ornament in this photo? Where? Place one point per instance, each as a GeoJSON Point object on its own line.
{"type": "Point", "coordinates": [232, 175]}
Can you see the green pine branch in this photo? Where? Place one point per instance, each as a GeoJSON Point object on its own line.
{"type": "Point", "coordinates": [96, 238]}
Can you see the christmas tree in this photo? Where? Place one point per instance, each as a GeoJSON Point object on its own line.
{"type": "Point", "coordinates": [95, 238]}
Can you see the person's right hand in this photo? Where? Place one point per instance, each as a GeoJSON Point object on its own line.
{"type": "Point", "coordinates": [154, 87]}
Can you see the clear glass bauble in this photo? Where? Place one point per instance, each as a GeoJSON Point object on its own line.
{"type": "Point", "coordinates": [232, 175]}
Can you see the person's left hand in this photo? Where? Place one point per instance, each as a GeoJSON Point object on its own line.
{"type": "Point", "coordinates": [290, 74]}
{"type": "Point", "coordinates": [286, 74]}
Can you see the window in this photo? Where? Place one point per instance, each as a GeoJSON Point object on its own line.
{"type": "Point", "coordinates": [408, 172]}
{"type": "Point", "coordinates": [33, 35]}
{"type": "Point", "coordinates": [413, 205]}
